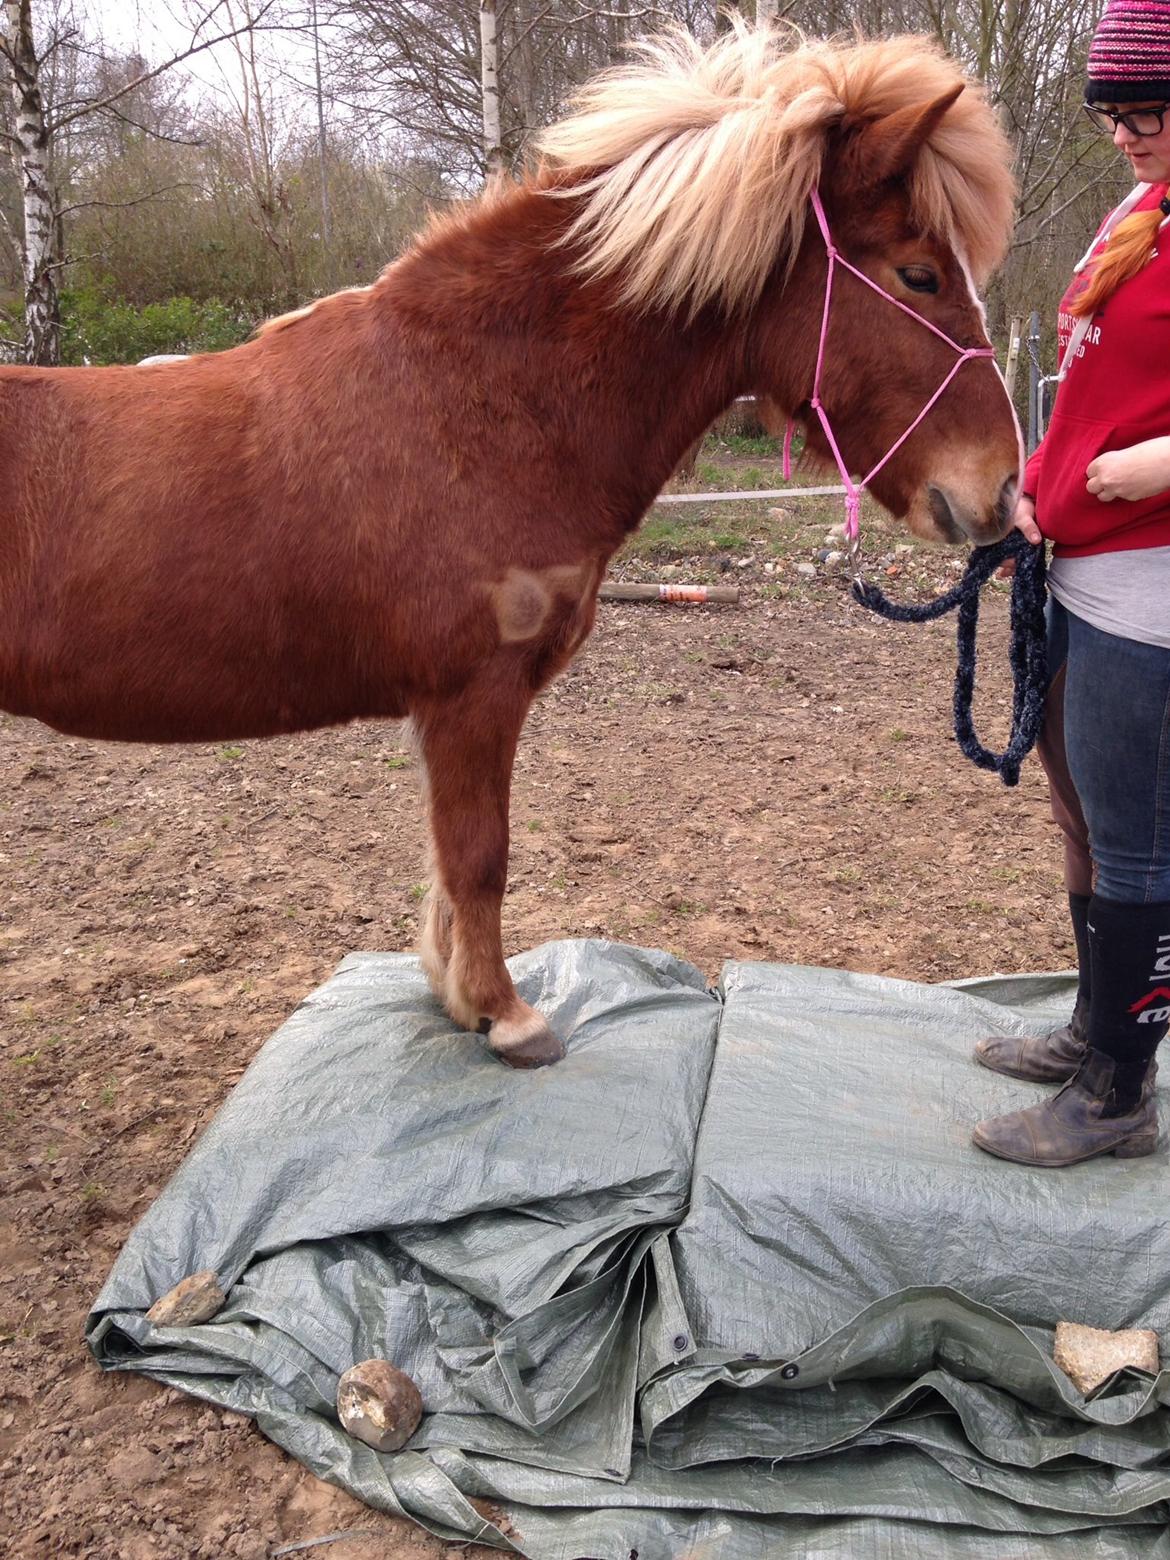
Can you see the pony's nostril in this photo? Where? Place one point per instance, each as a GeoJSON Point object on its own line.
{"type": "Point", "coordinates": [943, 515]}
{"type": "Point", "coordinates": [1005, 508]}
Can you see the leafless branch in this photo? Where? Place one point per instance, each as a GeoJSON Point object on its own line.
{"type": "Point", "coordinates": [255, 24]}
{"type": "Point", "coordinates": [119, 205]}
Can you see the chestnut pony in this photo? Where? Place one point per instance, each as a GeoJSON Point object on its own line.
{"type": "Point", "coordinates": [400, 501]}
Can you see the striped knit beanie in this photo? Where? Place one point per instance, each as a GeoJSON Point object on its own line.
{"type": "Point", "coordinates": [1129, 57]}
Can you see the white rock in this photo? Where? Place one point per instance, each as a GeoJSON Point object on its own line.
{"type": "Point", "coordinates": [379, 1404]}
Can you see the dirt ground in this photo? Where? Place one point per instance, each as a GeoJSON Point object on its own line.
{"type": "Point", "coordinates": [769, 781]}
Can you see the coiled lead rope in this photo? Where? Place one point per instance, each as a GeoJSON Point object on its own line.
{"type": "Point", "coordinates": [1028, 654]}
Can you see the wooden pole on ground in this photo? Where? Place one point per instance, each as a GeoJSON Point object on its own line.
{"type": "Point", "coordinates": [618, 590]}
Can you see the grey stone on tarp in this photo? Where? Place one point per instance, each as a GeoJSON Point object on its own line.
{"type": "Point", "coordinates": [194, 1299]}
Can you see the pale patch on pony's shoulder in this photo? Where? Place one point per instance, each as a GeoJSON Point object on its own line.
{"type": "Point", "coordinates": [283, 321]}
{"type": "Point", "coordinates": [524, 598]}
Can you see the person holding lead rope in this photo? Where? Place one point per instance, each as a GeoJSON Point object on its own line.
{"type": "Point", "coordinates": [1098, 488]}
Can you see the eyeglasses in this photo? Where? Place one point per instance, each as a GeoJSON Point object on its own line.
{"type": "Point", "coordinates": [1140, 121]}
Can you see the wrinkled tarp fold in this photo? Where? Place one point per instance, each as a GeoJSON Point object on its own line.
{"type": "Point", "coordinates": [730, 1279]}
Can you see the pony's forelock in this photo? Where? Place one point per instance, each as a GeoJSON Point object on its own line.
{"type": "Point", "coordinates": [693, 166]}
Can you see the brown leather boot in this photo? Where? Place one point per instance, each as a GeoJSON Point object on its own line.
{"type": "Point", "coordinates": [1050, 1058]}
{"type": "Point", "coordinates": [1093, 1114]}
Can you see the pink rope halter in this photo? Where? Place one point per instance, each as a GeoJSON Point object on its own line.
{"type": "Point", "coordinates": [854, 490]}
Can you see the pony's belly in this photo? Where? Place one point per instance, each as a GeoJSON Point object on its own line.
{"type": "Point", "coordinates": [110, 711]}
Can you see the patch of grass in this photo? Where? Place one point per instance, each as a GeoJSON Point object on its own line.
{"type": "Point", "coordinates": [897, 793]}
{"type": "Point", "coordinates": [419, 891]}
{"type": "Point", "coordinates": [898, 735]}
{"type": "Point", "coordinates": [981, 907]}
{"type": "Point", "coordinates": [228, 753]}
{"type": "Point", "coordinates": [535, 825]}
{"type": "Point", "coordinates": [397, 761]}
{"type": "Point", "coordinates": [659, 693]}
{"type": "Point", "coordinates": [92, 1190]}
{"type": "Point", "coordinates": [29, 1059]}
{"type": "Point", "coordinates": [108, 1093]}
{"type": "Point", "coordinates": [846, 875]}
{"type": "Point", "coordinates": [751, 444]}
{"type": "Point", "coordinates": [729, 479]}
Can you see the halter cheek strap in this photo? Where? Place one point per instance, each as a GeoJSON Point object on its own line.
{"type": "Point", "coordinates": [854, 490]}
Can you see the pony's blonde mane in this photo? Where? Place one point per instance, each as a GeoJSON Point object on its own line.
{"type": "Point", "coordinates": [694, 165]}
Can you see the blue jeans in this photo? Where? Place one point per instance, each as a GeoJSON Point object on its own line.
{"type": "Point", "coordinates": [1117, 741]}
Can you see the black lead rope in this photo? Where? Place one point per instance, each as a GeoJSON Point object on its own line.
{"type": "Point", "coordinates": [1029, 658]}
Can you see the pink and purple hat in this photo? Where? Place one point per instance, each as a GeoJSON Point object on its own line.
{"type": "Point", "coordinates": [1129, 57]}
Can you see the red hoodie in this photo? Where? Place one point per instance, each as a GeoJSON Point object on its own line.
{"type": "Point", "coordinates": [1121, 370]}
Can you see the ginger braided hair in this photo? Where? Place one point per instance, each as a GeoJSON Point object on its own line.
{"type": "Point", "coordinates": [1130, 246]}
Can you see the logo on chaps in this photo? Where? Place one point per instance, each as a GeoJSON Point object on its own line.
{"type": "Point", "coordinates": [1147, 1012]}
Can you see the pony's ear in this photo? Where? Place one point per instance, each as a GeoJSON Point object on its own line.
{"type": "Point", "coordinates": [889, 147]}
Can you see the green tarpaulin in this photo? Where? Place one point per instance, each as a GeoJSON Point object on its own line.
{"type": "Point", "coordinates": [727, 1281]}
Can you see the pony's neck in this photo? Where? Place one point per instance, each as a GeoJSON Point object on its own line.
{"type": "Point", "coordinates": [624, 394]}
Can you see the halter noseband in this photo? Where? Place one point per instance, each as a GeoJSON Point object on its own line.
{"type": "Point", "coordinates": [854, 490]}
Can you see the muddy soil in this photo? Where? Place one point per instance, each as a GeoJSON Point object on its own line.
{"type": "Point", "coordinates": [772, 781]}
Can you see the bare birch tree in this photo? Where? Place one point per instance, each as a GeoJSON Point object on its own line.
{"type": "Point", "coordinates": [467, 82]}
{"type": "Point", "coordinates": [38, 124]}
{"type": "Point", "coordinates": [493, 150]}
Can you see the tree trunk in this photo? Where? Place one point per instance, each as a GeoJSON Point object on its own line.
{"type": "Point", "coordinates": [493, 151]}
{"type": "Point", "coordinates": [42, 310]}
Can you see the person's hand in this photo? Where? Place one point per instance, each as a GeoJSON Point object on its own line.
{"type": "Point", "coordinates": [1138, 472]}
{"type": "Point", "coordinates": [1024, 519]}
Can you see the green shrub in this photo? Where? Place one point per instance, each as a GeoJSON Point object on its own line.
{"type": "Point", "coordinates": [98, 329]}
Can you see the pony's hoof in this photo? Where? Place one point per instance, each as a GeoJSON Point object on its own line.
{"type": "Point", "coordinates": [528, 1044]}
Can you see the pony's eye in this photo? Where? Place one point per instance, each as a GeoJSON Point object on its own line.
{"type": "Point", "coordinates": [919, 278]}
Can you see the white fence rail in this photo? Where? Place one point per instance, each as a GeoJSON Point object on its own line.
{"type": "Point", "coordinates": [725, 498]}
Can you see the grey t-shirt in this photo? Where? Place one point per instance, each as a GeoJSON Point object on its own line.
{"type": "Point", "coordinates": [1123, 593]}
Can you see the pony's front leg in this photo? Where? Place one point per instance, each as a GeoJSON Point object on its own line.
{"type": "Point", "coordinates": [468, 744]}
